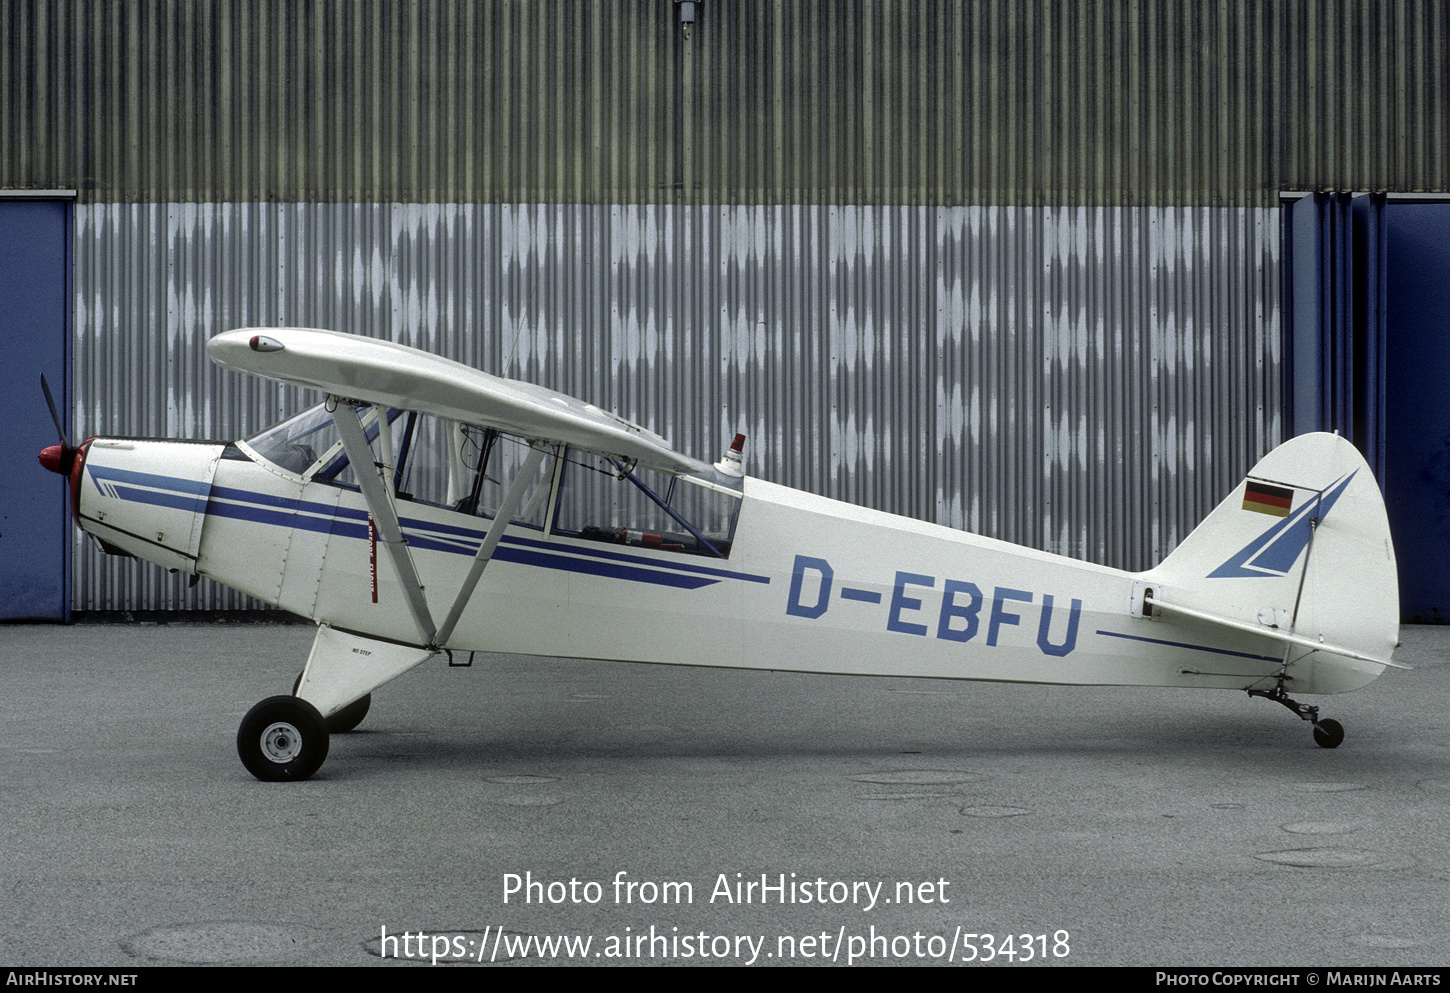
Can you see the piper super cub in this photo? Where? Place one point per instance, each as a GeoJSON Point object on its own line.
{"type": "Point", "coordinates": [428, 507]}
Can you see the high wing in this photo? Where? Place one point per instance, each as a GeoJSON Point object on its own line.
{"type": "Point", "coordinates": [380, 372]}
{"type": "Point", "coordinates": [358, 370]}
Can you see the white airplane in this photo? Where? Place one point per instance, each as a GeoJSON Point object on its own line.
{"type": "Point", "coordinates": [380, 515]}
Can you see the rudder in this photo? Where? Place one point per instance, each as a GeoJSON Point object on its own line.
{"type": "Point", "coordinates": [1302, 545]}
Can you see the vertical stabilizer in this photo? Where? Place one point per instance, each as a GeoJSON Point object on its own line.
{"type": "Point", "coordinates": [1301, 546]}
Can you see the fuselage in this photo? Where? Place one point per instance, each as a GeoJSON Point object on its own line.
{"type": "Point", "coordinates": [809, 583]}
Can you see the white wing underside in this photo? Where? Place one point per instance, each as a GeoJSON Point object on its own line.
{"type": "Point", "coordinates": [380, 372]}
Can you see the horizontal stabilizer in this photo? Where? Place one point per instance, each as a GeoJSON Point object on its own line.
{"type": "Point", "coordinates": [1268, 632]}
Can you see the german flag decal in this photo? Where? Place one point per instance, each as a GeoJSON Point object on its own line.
{"type": "Point", "coordinates": [1265, 499]}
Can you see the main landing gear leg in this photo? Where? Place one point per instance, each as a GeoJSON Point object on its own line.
{"type": "Point", "coordinates": [1328, 733]}
{"type": "Point", "coordinates": [348, 717]}
{"type": "Point", "coordinates": [286, 737]}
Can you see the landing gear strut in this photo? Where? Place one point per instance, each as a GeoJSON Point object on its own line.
{"type": "Point", "coordinates": [1328, 733]}
{"type": "Point", "coordinates": [345, 719]}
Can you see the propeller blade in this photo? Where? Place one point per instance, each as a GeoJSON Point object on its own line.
{"type": "Point", "coordinates": [54, 415]}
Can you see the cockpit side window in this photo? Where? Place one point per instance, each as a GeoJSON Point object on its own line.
{"type": "Point", "coordinates": [468, 470]}
{"type": "Point", "coordinates": [333, 465]}
{"type": "Point", "coordinates": [430, 460]}
{"type": "Point", "coordinates": [602, 499]}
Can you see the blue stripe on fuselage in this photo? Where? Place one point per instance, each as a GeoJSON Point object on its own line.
{"type": "Point", "coordinates": [346, 522]}
{"type": "Point", "coordinates": [1196, 648]}
{"type": "Point", "coordinates": [111, 474]}
{"type": "Point", "coordinates": [178, 501]}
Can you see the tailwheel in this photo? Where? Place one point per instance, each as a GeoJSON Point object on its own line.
{"type": "Point", "coordinates": [282, 738]}
{"type": "Point", "coordinates": [1328, 733]}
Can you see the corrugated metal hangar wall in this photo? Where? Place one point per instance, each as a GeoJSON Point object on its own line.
{"type": "Point", "coordinates": [1013, 267]}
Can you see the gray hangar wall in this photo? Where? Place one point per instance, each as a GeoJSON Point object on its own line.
{"type": "Point", "coordinates": [1085, 380]}
{"type": "Point", "coordinates": [1007, 265]}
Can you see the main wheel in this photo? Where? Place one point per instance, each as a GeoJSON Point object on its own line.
{"type": "Point", "coordinates": [1328, 733]}
{"type": "Point", "coordinates": [345, 719]}
{"type": "Point", "coordinates": [282, 738]}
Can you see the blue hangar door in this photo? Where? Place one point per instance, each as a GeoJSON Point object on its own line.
{"type": "Point", "coordinates": [35, 328]}
{"type": "Point", "coordinates": [1417, 404]}
{"type": "Point", "coordinates": [1368, 336]}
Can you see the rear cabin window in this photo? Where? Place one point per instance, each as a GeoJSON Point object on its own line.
{"type": "Point", "coordinates": [603, 499]}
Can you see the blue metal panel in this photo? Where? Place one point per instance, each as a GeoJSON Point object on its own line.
{"type": "Point", "coordinates": [35, 327]}
{"type": "Point", "coordinates": [1302, 317]}
{"type": "Point", "coordinates": [1337, 400]}
{"type": "Point", "coordinates": [1417, 471]}
{"type": "Point", "coordinates": [1334, 366]}
{"type": "Point", "coordinates": [1370, 329]}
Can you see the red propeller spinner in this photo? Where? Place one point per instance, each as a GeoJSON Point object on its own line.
{"type": "Point", "coordinates": [64, 459]}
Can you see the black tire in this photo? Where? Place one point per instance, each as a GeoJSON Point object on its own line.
{"type": "Point", "coordinates": [1328, 733]}
{"type": "Point", "coordinates": [345, 719]}
{"type": "Point", "coordinates": [282, 738]}
{"type": "Point", "coordinates": [350, 716]}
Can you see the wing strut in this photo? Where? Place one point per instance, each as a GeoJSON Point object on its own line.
{"type": "Point", "coordinates": [501, 518]}
{"type": "Point", "coordinates": [360, 454]}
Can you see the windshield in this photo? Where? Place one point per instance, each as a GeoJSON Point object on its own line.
{"type": "Point", "coordinates": [309, 445]}
{"type": "Point", "coordinates": [295, 443]}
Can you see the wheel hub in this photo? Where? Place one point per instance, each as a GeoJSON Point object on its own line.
{"type": "Point", "coordinates": [281, 742]}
